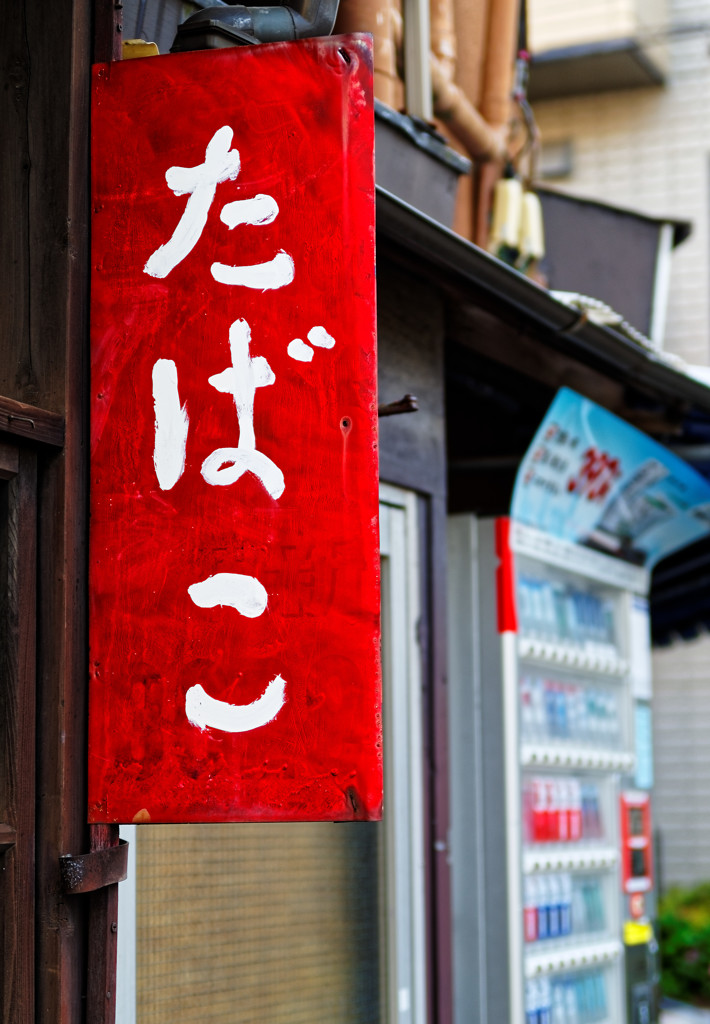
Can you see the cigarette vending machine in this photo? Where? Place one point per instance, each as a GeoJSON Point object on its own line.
{"type": "Point", "coordinates": [550, 735]}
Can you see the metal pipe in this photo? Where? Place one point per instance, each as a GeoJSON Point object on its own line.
{"type": "Point", "coordinates": [451, 105]}
{"type": "Point", "coordinates": [140, 19]}
{"type": "Point", "coordinates": [443, 35]}
{"type": "Point", "coordinates": [503, 25]}
{"type": "Point", "coordinates": [471, 20]}
{"type": "Point", "coordinates": [234, 25]}
{"type": "Point", "coordinates": [454, 109]}
{"type": "Point", "coordinates": [481, 140]}
{"type": "Point", "coordinates": [417, 47]}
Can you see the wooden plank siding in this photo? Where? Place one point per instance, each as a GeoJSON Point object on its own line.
{"type": "Point", "coordinates": [44, 176]}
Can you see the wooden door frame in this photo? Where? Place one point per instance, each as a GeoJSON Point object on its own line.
{"type": "Point", "coordinates": [18, 565]}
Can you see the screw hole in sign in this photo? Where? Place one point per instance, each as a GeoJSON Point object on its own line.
{"type": "Point", "coordinates": [345, 424]}
{"type": "Point", "coordinates": [345, 55]}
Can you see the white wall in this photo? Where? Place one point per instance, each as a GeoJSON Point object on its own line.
{"type": "Point", "coordinates": [681, 725]}
{"type": "Point", "coordinates": [559, 23]}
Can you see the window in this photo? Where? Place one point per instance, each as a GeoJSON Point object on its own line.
{"type": "Point", "coordinates": [296, 923]}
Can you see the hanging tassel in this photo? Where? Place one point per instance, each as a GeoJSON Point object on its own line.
{"type": "Point", "coordinates": [531, 240]}
{"type": "Point", "coordinates": [507, 212]}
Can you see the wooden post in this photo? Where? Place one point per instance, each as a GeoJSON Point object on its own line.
{"type": "Point", "coordinates": [108, 30]}
{"type": "Point", "coordinates": [103, 939]}
{"type": "Point", "coordinates": [103, 903]}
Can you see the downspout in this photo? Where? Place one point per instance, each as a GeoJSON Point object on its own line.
{"type": "Point", "coordinates": [451, 105]}
{"type": "Point", "coordinates": [380, 17]}
{"type": "Point", "coordinates": [471, 22]}
{"type": "Point", "coordinates": [442, 31]}
{"type": "Point", "coordinates": [503, 28]}
{"type": "Point", "coordinates": [482, 140]}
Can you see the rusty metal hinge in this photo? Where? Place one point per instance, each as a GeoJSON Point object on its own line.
{"type": "Point", "coordinates": [8, 837]}
{"type": "Point", "coordinates": [91, 871]}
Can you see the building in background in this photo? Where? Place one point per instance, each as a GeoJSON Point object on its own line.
{"type": "Point", "coordinates": [620, 92]}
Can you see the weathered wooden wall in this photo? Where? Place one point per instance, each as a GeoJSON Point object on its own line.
{"type": "Point", "coordinates": [44, 110]}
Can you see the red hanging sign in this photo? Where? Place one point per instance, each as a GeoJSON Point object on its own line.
{"type": "Point", "coordinates": [234, 571]}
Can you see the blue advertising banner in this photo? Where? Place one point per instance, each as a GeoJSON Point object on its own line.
{"type": "Point", "coordinates": [590, 478]}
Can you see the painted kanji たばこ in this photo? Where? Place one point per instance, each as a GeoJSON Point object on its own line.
{"type": "Point", "coordinates": [234, 587]}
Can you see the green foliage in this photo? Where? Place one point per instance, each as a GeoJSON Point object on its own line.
{"type": "Point", "coordinates": [684, 926]}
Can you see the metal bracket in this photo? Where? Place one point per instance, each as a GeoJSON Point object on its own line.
{"type": "Point", "coordinates": [91, 871]}
{"type": "Point", "coordinates": [407, 404]}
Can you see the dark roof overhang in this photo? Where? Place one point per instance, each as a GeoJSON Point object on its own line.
{"type": "Point", "coordinates": [510, 345]}
{"type": "Point", "coordinates": [470, 272]}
